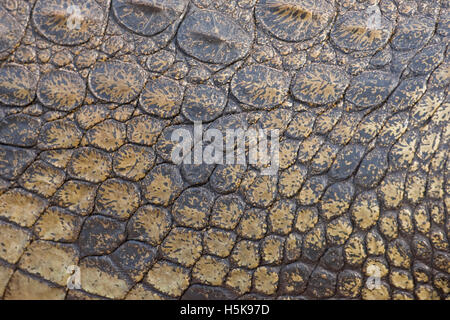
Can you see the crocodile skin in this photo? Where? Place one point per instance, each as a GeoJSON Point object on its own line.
{"type": "Point", "coordinates": [91, 92]}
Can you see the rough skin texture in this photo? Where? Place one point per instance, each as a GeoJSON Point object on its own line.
{"type": "Point", "coordinates": [357, 89]}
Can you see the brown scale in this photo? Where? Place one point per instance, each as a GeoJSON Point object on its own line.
{"type": "Point", "coordinates": [87, 179]}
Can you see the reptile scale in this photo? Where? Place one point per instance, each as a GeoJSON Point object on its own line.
{"type": "Point", "coordinates": [91, 92]}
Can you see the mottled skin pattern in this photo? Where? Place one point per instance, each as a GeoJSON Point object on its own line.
{"type": "Point", "coordinates": [357, 89]}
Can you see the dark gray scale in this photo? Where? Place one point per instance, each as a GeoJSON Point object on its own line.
{"type": "Point", "coordinates": [346, 162]}
{"type": "Point", "coordinates": [413, 33]}
{"type": "Point", "coordinates": [13, 161]}
{"type": "Point", "coordinates": [227, 178]}
{"type": "Point", "coordinates": [407, 93]}
{"type": "Point", "coordinates": [381, 58]}
{"type": "Point", "coordinates": [370, 88]}
{"type": "Point", "coordinates": [13, 21]}
{"type": "Point", "coordinates": [101, 235]}
{"type": "Point", "coordinates": [196, 174]}
{"type": "Point", "coordinates": [165, 146]}
{"type": "Point", "coordinates": [134, 258]}
{"type": "Point", "coordinates": [313, 251]}
{"type": "Point", "coordinates": [322, 283]}
{"type": "Point", "coordinates": [427, 60]}
{"type": "Point", "coordinates": [204, 292]}
{"type": "Point", "coordinates": [333, 259]}
{"type": "Point", "coordinates": [203, 103]}
{"type": "Point", "coordinates": [294, 278]}
{"type": "Point", "coordinates": [443, 27]}
{"type": "Point", "coordinates": [372, 168]}
{"type": "Point", "coordinates": [69, 22]}
{"type": "Point", "coordinates": [148, 17]}
{"type": "Point", "coordinates": [17, 85]}
{"type": "Point", "coordinates": [213, 37]}
{"type": "Point", "coordinates": [20, 130]}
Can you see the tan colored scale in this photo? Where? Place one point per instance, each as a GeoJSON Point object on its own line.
{"type": "Point", "coordinates": [149, 224]}
{"type": "Point", "coordinates": [23, 286]}
{"type": "Point", "coordinates": [265, 280]}
{"type": "Point", "coordinates": [227, 212]}
{"type": "Point", "coordinates": [339, 230]}
{"type": "Point", "coordinates": [281, 216]}
{"type": "Point", "coordinates": [162, 97]}
{"type": "Point", "coordinates": [320, 84]}
{"type": "Point", "coordinates": [100, 277]}
{"type": "Point", "coordinates": [140, 292]}
{"type": "Point", "coordinates": [375, 243]}
{"type": "Point", "coordinates": [253, 224]}
{"type": "Point", "coordinates": [58, 225]}
{"type": "Point", "coordinates": [90, 164]}
{"type": "Point", "coordinates": [61, 90]}
{"type": "Point", "coordinates": [293, 247]}
{"type": "Point", "coordinates": [272, 250]}
{"type": "Point", "coordinates": [291, 180]}
{"type": "Point", "coordinates": [58, 158]}
{"type": "Point", "coordinates": [399, 254]}
{"type": "Point", "coordinates": [117, 82]}
{"type": "Point", "coordinates": [312, 190]}
{"type": "Point", "coordinates": [391, 190]}
{"type": "Point", "coordinates": [388, 225]}
{"type": "Point", "coordinates": [89, 115]}
{"type": "Point", "coordinates": [239, 280]}
{"type": "Point", "coordinates": [42, 179]}
{"type": "Point", "coordinates": [17, 85]}
{"type": "Point", "coordinates": [118, 199]}
{"type": "Point", "coordinates": [13, 242]}
{"type": "Point", "coordinates": [246, 254]}
{"type": "Point", "coordinates": [144, 130]}
{"type": "Point", "coordinates": [209, 270]}
{"type": "Point", "coordinates": [381, 293]}
{"type": "Point", "coordinates": [133, 161]}
{"type": "Point", "coordinates": [76, 196]}
{"type": "Point", "coordinates": [355, 250]}
{"type": "Point", "coordinates": [301, 125]}
{"type": "Point", "coordinates": [219, 242]}
{"type": "Point", "coordinates": [183, 246]}
{"type": "Point", "coordinates": [5, 276]}
{"type": "Point", "coordinates": [415, 186]}
{"type": "Point", "coordinates": [108, 135]}
{"type": "Point", "coordinates": [59, 134]}
{"type": "Point", "coordinates": [306, 219]}
{"type": "Point", "coordinates": [309, 147]}
{"type": "Point", "coordinates": [261, 190]}
{"type": "Point", "coordinates": [422, 219]}
{"type": "Point", "coordinates": [324, 158]}
{"type": "Point", "coordinates": [162, 185]}
{"type": "Point", "coordinates": [21, 207]}
{"type": "Point", "coordinates": [87, 178]}
{"type": "Point", "coordinates": [288, 153]}
{"type": "Point", "coordinates": [50, 261]}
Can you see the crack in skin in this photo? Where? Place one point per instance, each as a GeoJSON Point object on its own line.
{"type": "Point", "coordinates": [115, 206]}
